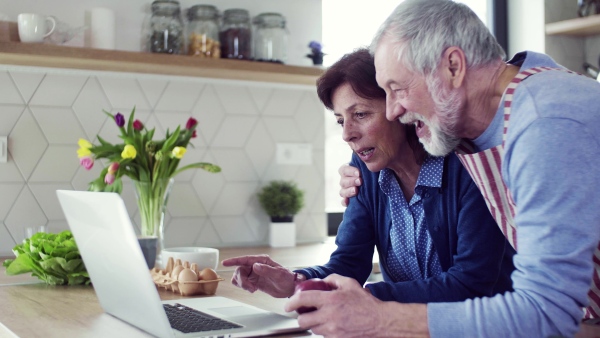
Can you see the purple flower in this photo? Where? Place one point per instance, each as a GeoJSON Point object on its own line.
{"type": "Point", "coordinates": [120, 120]}
{"type": "Point", "coordinates": [86, 162]}
{"type": "Point", "coordinates": [315, 46]}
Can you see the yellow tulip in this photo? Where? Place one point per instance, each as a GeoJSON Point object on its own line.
{"type": "Point", "coordinates": [129, 152]}
{"type": "Point", "coordinates": [178, 152]}
{"type": "Point", "coordinates": [83, 143]}
{"type": "Point", "coordinates": [83, 152]}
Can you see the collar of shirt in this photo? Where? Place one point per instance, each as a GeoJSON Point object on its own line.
{"type": "Point", "coordinates": [430, 175]}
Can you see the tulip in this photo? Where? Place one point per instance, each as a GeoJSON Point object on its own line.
{"type": "Point", "coordinates": [194, 134]}
{"type": "Point", "coordinates": [113, 167]}
{"type": "Point", "coordinates": [120, 120]}
{"type": "Point", "coordinates": [83, 143]}
{"type": "Point", "coordinates": [109, 178]}
{"type": "Point", "coordinates": [178, 152]}
{"type": "Point", "coordinates": [191, 122]}
{"type": "Point", "coordinates": [86, 162]}
{"type": "Point", "coordinates": [83, 152]}
{"type": "Point", "coordinates": [129, 152]}
{"type": "Point", "coordinates": [137, 125]}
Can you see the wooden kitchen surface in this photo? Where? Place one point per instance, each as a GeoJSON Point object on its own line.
{"type": "Point", "coordinates": [33, 309]}
{"type": "Point", "coordinates": [30, 308]}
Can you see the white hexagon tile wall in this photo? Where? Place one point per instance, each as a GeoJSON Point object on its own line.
{"type": "Point", "coordinates": [45, 111]}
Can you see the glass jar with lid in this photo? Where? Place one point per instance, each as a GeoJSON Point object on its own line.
{"type": "Point", "coordinates": [236, 34]}
{"type": "Point", "coordinates": [270, 38]}
{"type": "Point", "coordinates": [203, 31]}
{"type": "Point", "coordinates": [166, 28]}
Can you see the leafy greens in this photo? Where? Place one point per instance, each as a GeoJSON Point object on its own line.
{"type": "Point", "coordinates": [53, 258]}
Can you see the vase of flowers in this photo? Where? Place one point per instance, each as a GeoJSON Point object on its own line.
{"type": "Point", "coordinates": [150, 164]}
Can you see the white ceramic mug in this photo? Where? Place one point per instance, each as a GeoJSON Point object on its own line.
{"type": "Point", "coordinates": [35, 27]}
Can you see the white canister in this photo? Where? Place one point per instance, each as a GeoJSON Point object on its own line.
{"type": "Point", "coordinates": [103, 28]}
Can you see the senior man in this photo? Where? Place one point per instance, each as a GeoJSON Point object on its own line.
{"type": "Point", "coordinates": [527, 131]}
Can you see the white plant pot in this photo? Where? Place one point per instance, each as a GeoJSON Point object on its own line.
{"type": "Point", "coordinates": [282, 235]}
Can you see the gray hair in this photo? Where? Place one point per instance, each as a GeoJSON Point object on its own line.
{"type": "Point", "coordinates": [421, 30]}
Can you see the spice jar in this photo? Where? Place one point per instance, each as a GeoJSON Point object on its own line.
{"type": "Point", "coordinates": [203, 31]}
{"type": "Point", "coordinates": [166, 28]}
{"type": "Point", "coordinates": [236, 34]}
{"type": "Point", "coordinates": [270, 38]}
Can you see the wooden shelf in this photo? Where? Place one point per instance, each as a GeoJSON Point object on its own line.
{"type": "Point", "coordinates": [585, 26]}
{"type": "Point", "coordinates": [44, 55]}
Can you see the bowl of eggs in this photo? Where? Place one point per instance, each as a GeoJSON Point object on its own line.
{"type": "Point", "coordinates": [185, 278]}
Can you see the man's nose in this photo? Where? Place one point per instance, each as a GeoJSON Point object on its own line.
{"type": "Point", "coordinates": [393, 110]}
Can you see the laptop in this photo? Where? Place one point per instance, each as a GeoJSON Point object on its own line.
{"type": "Point", "coordinates": [110, 250]}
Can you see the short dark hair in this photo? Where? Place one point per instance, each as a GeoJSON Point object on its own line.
{"type": "Point", "coordinates": [358, 69]}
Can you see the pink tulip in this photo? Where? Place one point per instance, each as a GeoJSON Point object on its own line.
{"type": "Point", "coordinates": [86, 162]}
{"type": "Point", "coordinates": [192, 122]}
{"type": "Point", "coordinates": [137, 125]}
{"type": "Point", "coordinates": [109, 178]}
{"type": "Point", "coordinates": [113, 167]}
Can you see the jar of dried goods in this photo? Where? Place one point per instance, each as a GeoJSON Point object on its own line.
{"type": "Point", "coordinates": [270, 38]}
{"type": "Point", "coordinates": [236, 34]}
{"type": "Point", "coordinates": [203, 31]}
{"type": "Point", "coordinates": [166, 28]}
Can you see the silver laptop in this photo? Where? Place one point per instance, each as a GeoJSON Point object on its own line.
{"type": "Point", "coordinates": [110, 250]}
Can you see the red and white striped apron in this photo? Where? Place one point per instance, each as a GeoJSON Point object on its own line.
{"type": "Point", "coordinates": [486, 170]}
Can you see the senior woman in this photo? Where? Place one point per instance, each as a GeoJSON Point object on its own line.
{"type": "Point", "coordinates": [438, 242]}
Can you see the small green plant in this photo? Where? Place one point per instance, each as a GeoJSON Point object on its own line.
{"type": "Point", "coordinates": [281, 200]}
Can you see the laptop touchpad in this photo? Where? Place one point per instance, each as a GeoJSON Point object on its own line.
{"type": "Point", "coordinates": [234, 311]}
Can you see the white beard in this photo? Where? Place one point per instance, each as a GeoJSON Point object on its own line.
{"type": "Point", "coordinates": [442, 126]}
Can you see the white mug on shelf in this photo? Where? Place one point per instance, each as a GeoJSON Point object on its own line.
{"type": "Point", "coordinates": [35, 27]}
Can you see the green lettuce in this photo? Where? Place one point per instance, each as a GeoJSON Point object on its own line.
{"type": "Point", "coordinates": [53, 258]}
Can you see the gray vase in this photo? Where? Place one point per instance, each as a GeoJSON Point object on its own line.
{"type": "Point", "coordinates": [148, 245]}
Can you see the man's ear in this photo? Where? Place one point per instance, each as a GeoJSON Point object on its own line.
{"type": "Point", "coordinates": [454, 65]}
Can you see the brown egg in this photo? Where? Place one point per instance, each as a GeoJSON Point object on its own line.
{"type": "Point", "coordinates": [185, 288]}
{"type": "Point", "coordinates": [176, 270]}
{"type": "Point", "coordinates": [208, 274]}
{"type": "Point", "coordinates": [187, 275]}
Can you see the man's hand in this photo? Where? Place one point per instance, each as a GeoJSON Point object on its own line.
{"type": "Point", "coordinates": [350, 180]}
{"type": "Point", "coordinates": [347, 311]}
{"type": "Point", "coordinates": [351, 311]}
{"type": "Point", "coordinates": [261, 273]}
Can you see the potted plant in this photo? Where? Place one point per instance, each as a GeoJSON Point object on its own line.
{"type": "Point", "coordinates": [281, 200]}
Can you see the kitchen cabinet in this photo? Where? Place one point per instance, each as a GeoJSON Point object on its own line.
{"type": "Point", "coordinates": [45, 55]}
{"type": "Point", "coordinates": [585, 26]}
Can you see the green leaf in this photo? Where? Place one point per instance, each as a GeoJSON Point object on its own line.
{"type": "Point", "coordinates": [53, 258]}
{"type": "Point", "coordinates": [211, 168]}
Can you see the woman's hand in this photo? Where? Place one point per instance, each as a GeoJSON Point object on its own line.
{"type": "Point", "coordinates": [350, 180]}
{"type": "Point", "coordinates": [260, 272]}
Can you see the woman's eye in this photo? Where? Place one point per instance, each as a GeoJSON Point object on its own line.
{"type": "Point", "coordinates": [360, 115]}
{"type": "Point", "coordinates": [340, 122]}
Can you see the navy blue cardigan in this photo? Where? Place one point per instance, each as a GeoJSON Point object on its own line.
{"type": "Point", "coordinates": [475, 257]}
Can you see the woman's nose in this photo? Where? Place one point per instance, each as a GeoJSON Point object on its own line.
{"type": "Point", "coordinates": [349, 132]}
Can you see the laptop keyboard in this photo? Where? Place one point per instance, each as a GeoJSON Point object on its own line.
{"type": "Point", "coordinates": [186, 320]}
